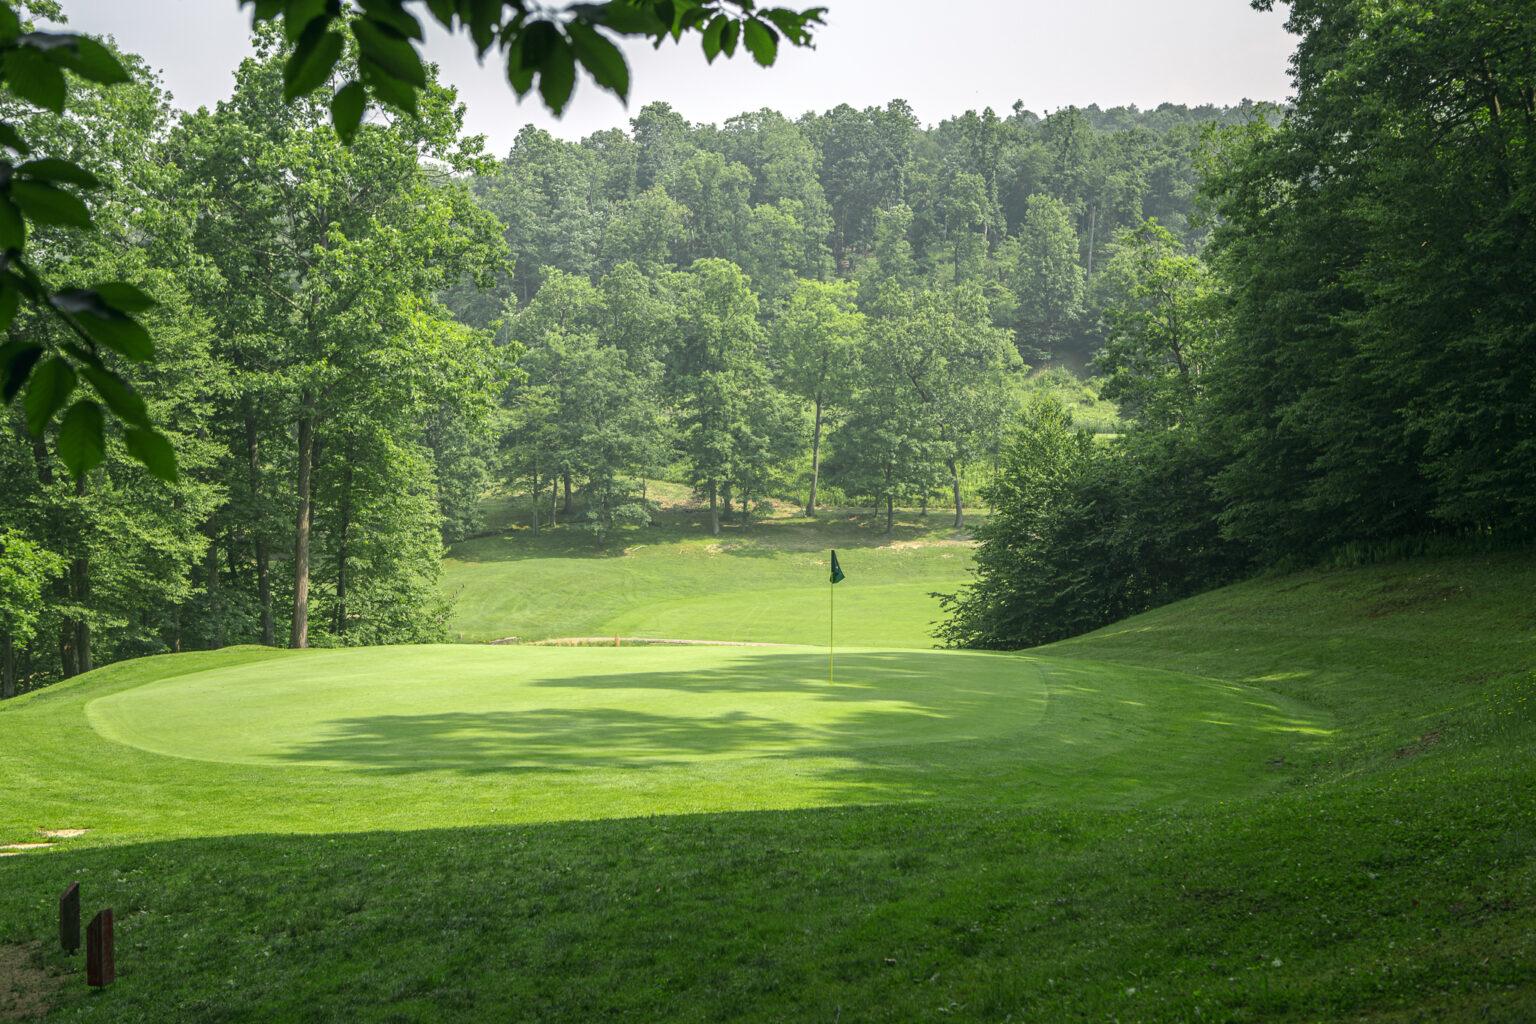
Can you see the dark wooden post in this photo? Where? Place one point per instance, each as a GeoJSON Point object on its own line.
{"type": "Point", "coordinates": [100, 967]}
{"type": "Point", "coordinates": [69, 919]}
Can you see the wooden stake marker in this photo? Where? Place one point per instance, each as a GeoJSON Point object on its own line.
{"type": "Point", "coordinates": [100, 967]}
{"type": "Point", "coordinates": [69, 919]}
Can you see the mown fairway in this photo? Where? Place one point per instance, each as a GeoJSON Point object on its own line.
{"type": "Point", "coordinates": [1297, 799]}
{"type": "Point", "coordinates": [763, 583]}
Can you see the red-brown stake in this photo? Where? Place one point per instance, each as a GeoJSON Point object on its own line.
{"type": "Point", "coordinates": [100, 967]}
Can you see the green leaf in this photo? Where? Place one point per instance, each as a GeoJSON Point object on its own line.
{"type": "Point", "coordinates": [557, 77]}
{"type": "Point", "coordinates": [625, 19]}
{"type": "Point", "coordinates": [11, 138]}
{"type": "Point", "coordinates": [13, 230]}
{"type": "Point", "coordinates": [119, 395]}
{"type": "Point", "coordinates": [52, 384]}
{"type": "Point", "coordinates": [762, 41]}
{"type": "Point", "coordinates": [312, 60]}
{"type": "Point", "coordinates": [88, 58]}
{"type": "Point", "coordinates": [10, 24]}
{"type": "Point", "coordinates": [54, 169]}
{"type": "Point", "coordinates": [712, 37]}
{"type": "Point", "coordinates": [298, 15]}
{"type": "Point", "coordinates": [264, 10]}
{"type": "Point", "coordinates": [536, 42]}
{"type": "Point", "coordinates": [44, 204]}
{"type": "Point", "coordinates": [793, 23]}
{"type": "Point", "coordinates": [347, 108]}
{"type": "Point", "coordinates": [392, 55]}
{"type": "Point", "coordinates": [391, 16]}
{"type": "Point", "coordinates": [122, 334]}
{"type": "Point", "coordinates": [16, 361]}
{"type": "Point", "coordinates": [82, 441]}
{"type": "Point", "coordinates": [520, 78]}
{"type": "Point", "coordinates": [387, 88]}
{"type": "Point", "coordinates": [123, 296]}
{"type": "Point", "coordinates": [153, 450]}
{"type": "Point", "coordinates": [35, 79]}
{"type": "Point", "coordinates": [729, 37]}
{"type": "Point", "coordinates": [602, 59]}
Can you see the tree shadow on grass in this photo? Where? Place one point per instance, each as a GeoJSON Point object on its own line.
{"type": "Point", "coordinates": [897, 716]}
{"type": "Point", "coordinates": [545, 740]}
{"type": "Point", "coordinates": [901, 699]}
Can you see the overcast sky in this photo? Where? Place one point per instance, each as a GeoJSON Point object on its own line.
{"type": "Point", "coordinates": [1047, 53]}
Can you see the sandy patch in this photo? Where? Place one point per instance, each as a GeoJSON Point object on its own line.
{"type": "Point", "coordinates": [26, 990]}
{"type": "Point", "coordinates": [63, 833]}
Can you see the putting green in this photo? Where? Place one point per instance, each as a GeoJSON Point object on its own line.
{"type": "Point", "coordinates": [437, 735]}
{"type": "Point", "coordinates": [531, 707]}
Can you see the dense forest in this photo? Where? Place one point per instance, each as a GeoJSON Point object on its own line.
{"type": "Point", "coordinates": [1344, 371]}
{"type": "Point", "coordinates": [1309, 352]}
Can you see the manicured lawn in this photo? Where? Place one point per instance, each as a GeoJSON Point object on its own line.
{"type": "Point", "coordinates": [766, 582]}
{"type": "Point", "coordinates": [422, 737]}
{"type": "Point", "coordinates": [1303, 798]}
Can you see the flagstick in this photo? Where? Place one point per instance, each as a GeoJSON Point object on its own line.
{"type": "Point", "coordinates": [831, 632]}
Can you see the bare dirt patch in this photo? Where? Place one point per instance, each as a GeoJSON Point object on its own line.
{"type": "Point", "coordinates": [1419, 745]}
{"type": "Point", "coordinates": [63, 833]}
{"type": "Point", "coordinates": [21, 847]}
{"type": "Point", "coordinates": [27, 991]}
{"type": "Point", "coordinates": [940, 542]}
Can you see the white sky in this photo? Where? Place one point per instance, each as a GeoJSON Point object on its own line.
{"type": "Point", "coordinates": [1047, 53]}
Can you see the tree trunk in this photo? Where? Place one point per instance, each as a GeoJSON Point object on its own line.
{"type": "Point", "coordinates": [533, 490]}
{"type": "Point", "coordinates": [565, 478]}
{"type": "Point", "coordinates": [728, 500]}
{"type": "Point", "coordinates": [344, 530]}
{"type": "Point", "coordinates": [68, 665]}
{"type": "Point", "coordinates": [264, 591]}
{"type": "Point", "coordinates": [925, 504]}
{"type": "Point", "coordinates": [954, 479]}
{"type": "Point", "coordinates": [7, 667]}
{"type": "Point", "coordinates": [890, 514]}
{"type": "Point", "coordinates": [714, 509]}
{"type": "Point", "coordinates": [298, 634]}
{"type": "Point", "coordinates": [263, 554]}
{"type": "Point", "coordinates": [80, 575]}
{"type": "Point", "coordinates": [211, 584]}
{"type": "Point", "coordinates": [61, 586]}
{"type": "Point", "coordinates": [554, 503]}
{"type": "Point", "coordinates": [810, 505]}
{"type": "Point", "coordinates": [1093, 231]}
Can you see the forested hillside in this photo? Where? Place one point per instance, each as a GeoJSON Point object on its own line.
{"type": "Point", "coordinates": [357, 343]}
{"type": "Point", "coordinates": [1345, 372]}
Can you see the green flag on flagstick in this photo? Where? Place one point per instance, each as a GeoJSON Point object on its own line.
{"type": "Point", "coordinates": [837, 570]}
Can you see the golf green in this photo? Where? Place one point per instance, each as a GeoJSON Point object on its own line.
{"type": "Point", "coordinates": [416, 737]}
{"type": "Point", "coordinates": [567, 707]}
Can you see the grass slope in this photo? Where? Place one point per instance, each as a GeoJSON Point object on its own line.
{"type": "Point", "coordinates": [765, 582]}
{"type": "Point", "coordinates": [1306, 798]}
